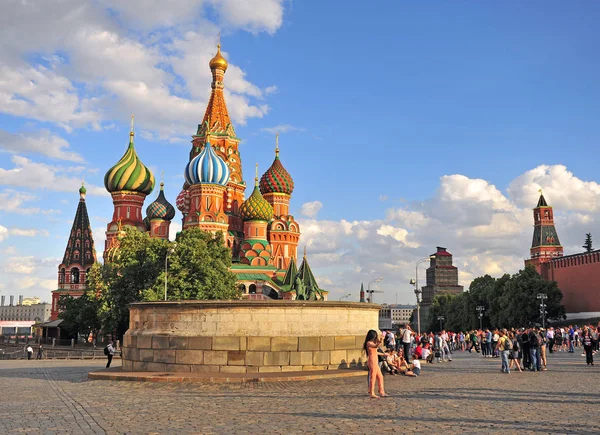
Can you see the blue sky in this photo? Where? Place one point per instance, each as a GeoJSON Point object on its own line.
{"type": "Point", "coordinates": [404, 126]}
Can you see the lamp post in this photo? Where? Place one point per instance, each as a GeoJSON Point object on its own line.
{"type": "Point", "coordinates": [169, 251]}
{"type": "Point", "coordinates": [441, 319]}
{"type": "Point", "coordinates": [417, 295]}
{"type": "Point", "coordinates": [369, 291]}
{"type": "Point", "coordinates": [542, 297]}
{"type": "Point", "coordinates": [480, 309]}
{"type": "Point", "coordinates": [346, 296]}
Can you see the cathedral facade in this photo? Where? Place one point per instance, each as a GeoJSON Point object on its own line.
{"type": "Point", "coordinates": [260, 231]}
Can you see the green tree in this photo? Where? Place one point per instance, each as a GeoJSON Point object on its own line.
{"type": "Point", "coordinates": [198, 268]}
{"type": "Point", "coordinates": [80, 315]}
{"type": "Point", "coordinates": [587, 245]}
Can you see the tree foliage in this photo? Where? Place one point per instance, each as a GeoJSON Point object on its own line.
{"type": "Point", "coordinates": [198, 268]}
{"type": "Point", "coordinates": [587, 245]}
{"type": "Point", "coordinates": [509, 301]}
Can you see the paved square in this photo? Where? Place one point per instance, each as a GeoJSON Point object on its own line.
{"type": "Point", "coordinates": [468, 395]}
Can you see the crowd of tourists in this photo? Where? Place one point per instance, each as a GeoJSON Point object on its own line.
{"type": "Point", "coordinates": [401, 353]}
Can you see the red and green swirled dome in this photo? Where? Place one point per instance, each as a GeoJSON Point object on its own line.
{"type": "Point", "coordinates": [129, 174]}
{"type": "Point", "coordinates": [161, 208]}
{"type": "Point", "coordinates": [276, 179]}
{"type": "Point", "coordinates": [256, 208]}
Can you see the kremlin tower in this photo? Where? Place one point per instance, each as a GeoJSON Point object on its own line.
{"type": "Point", "coordinates": [545, 245]}
{"type": "Point", "coordinates": [80, 255]}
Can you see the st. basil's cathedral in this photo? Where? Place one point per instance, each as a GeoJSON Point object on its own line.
{"type": "Point", "coordinates": [261, 233]}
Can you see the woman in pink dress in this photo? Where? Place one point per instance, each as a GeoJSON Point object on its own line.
{"type": "Point", "coordinates": [372, 342]}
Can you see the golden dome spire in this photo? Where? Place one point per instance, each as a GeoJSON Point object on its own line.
{"type": "Point", "coordinates": [277, 145]}
{"type": "Point", "coordinates": [218, 62]}
{"type": "Point", "coordinates": [256, 176]}
{"type": "Point", "coordinates": [131, 130]}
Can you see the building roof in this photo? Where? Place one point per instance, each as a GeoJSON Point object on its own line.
{"type": "Point", "coordinates": [81, 232]}
{"type": "Point", "coordinates": [160, 208]}
{"type": "Point", "coordinates": [542, 202]}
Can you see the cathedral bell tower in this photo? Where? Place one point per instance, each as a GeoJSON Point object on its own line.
{"type": "Point", "coordinates": [545, 244]}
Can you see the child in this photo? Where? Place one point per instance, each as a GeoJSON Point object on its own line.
{"type": "Point", "coordinates": [427, 355]}
{"type": "Point", "coordinates": [416, 365]}
{"type": "Point", "coordinates": [372, 342]}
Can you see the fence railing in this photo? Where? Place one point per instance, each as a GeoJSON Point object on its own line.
{"type": "Point", "coordinates": [98, 353]}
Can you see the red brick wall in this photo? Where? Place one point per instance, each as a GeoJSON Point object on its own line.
{"type": "Point", "coordinates": [578, 277]}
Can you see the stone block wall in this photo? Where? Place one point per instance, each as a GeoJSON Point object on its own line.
{"type": "Point", "coordinates": [197, 337]}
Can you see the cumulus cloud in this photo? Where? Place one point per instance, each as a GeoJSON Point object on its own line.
{"type": "Point", "coordinates": [486, 230]}
{"type": "Point", "coordinates": [43, 143]}
{"type": "Point", "coordinates": [311, 209]}
{"type": "Point", "coordinates": [93, 63]}
{"type": "Point", "coordinates": [29, 174]}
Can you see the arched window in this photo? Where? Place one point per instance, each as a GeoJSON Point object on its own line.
{"type": "Point", "coordinates": [74, 276]}
{"type": "Point", "coordinates": [77, 243]}
{"type": "Point", "coordinates": [252, 289]}
{"type": "Point", "coordinates": [61, 276]}
{"type": "Point", "coordinates": [87, 244]}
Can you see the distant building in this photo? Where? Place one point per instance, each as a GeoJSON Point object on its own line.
{"type": "Point", "coordinates": [39, 312]}
{"type": "Point", "coordinates": [442, 277]}
{"type": "Point", "coordinates": [577, 275]}
{"type": "Point", "coordinates": [393, 316]}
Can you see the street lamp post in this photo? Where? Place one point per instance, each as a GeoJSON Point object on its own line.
{"type": "Point", "coordinates": [417, 295]}
{"type": "Point", "coordinates": [480, 309]}
{"type": "Point", "coordinates": [418, 291]}
{"type": "Point", "coordinates": [169, 251]}
{"type": "Point", "coordinates": [369, 291]}
{"type": "Point", "coordinates": [542, 297]}
{"type": "Point", "coordinates": [346, 296]}
{"type": "Point", "coordinates": [441, 319]}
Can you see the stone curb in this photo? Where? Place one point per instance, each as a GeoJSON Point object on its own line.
{"type": "Point", "coordinates": [118, 374]}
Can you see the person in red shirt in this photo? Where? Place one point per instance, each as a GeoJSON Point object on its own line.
{"type": "Point", "coordinates": [419, 351]}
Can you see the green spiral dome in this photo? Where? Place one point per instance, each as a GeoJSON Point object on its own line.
{"type": "Point", "coordinates": [129, 174]}
{"type": "Point", "coordinates": [256, 208]}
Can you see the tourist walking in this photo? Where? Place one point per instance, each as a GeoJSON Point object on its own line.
{"type": "Point", "coordinates": [29, 351]}
{"type": "Point", "coordinates": [109, 351]}
{"type": "Point", "coordinates": [588, 347]}
{"type": "Point", "coordinates": [515, 354]}
{"type": "Point", "coordinates": [525, 348]}
{"type": "Point", "coordinates": [543, 343]}
{"type": "Point", "coordinates": [550, 338]}
{"type": "Point", "coordinates": [372, 342]}
{"type": "Point", "coordinates": [503, 347]}
{"type": "Point", "coordinates": [40, 352]}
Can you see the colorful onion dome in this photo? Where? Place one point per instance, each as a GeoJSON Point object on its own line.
{"type": "Point", "coordinates": [129, 173]}
{"type": "Point", "coordinates": [207, 168]}
{"type": "Point", "coordinates": [82, 189]}
{"type": "Point", "coordinates": [276, 179]}
{"type": "Point", "coordinates": [256, 208]}
{"type": "Point", "coordinates": [161, 208]}
{"type": "Point", "coordinates": [182, 201]}
{"type": "Point", "coordinates": [218, 62]}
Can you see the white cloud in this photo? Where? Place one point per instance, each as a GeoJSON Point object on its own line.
{"type": "Point", "coordinates": [486, 231]}
{"type": "Point", "coordinates": [311, 209]}
{"type": "Point", "coordinates": [3, 233]}
{"type": "Point", "coordinates": [97, 62]}
{"type": "Point", "coordinates": [43, 143]}
{"type": "Point", "coordinates": [29, 174]}
{"type": "Point", "coordinates": [252, 15]}
{"type": "Point", "coordinates": [282, 128]}
{"type": "Point", "coordinates": [31, 232]}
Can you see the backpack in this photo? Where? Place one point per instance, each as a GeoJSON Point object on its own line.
{"type": "Point", "coordinates": [106, 352]}
{"type": "Point", "coordinates": [508, 345]}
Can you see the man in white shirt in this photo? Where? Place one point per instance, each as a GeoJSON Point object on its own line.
{"type": "Point", "coordinates": [407, 334]}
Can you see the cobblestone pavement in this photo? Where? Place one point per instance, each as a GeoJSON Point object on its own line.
{"type": "Point", "coordinates": [468, 395]}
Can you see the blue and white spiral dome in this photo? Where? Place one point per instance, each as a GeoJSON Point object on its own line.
{"type": "Point", "coordinates": [207, 168]}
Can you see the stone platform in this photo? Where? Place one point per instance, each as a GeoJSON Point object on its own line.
{"type": "Point", "coordinates": [246, 337]}
{"type": "Point", "coordinates": [117, 374]}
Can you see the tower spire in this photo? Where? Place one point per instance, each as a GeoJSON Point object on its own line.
{"type": "Point", "coordinates": [276, 144]}
{"type": "Point", "coordinates": [304, 252]}
{"type": "Point", "coordinates": [256, 175]}
{"type": "Point", "coordinates": [131, 129]}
